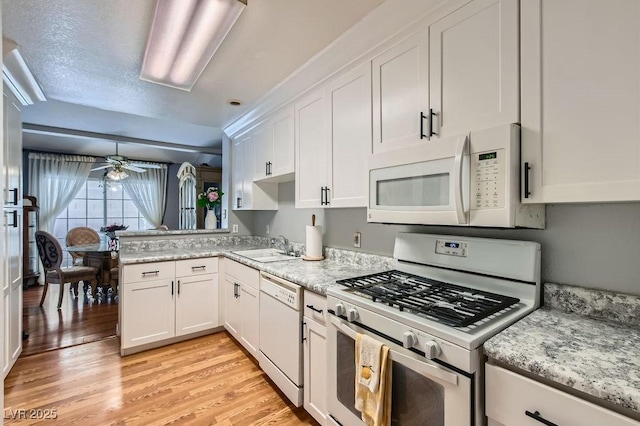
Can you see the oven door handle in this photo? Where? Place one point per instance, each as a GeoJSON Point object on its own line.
{"type": "Point", "coordinates": [423, 367]}
{"type": "Point", "coordinates": [461, 150]}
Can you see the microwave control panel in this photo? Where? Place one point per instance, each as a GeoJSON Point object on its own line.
{"type": "Point", "coordinates": [488, 180]}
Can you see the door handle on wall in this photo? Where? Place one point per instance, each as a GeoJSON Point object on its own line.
{"type": "Point", "coordinates": [15, 196]}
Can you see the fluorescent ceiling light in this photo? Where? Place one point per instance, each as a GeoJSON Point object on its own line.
{"type": "Point", "coordinates": [184, 36]}
{"type": "Point", "coordinates": [17, 75]}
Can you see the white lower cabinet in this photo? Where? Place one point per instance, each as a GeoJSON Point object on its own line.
{"type": "Point", "coordinates": [514, 400]}
{"type": "Point", "coordinates": [242, 304]}
{"type": "Point", "coordinates": [163, 300]}
{"type": "Point", "coordinates": [315, 356]}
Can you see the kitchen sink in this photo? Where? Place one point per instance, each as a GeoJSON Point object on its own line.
{"type": "Point", "coordinates": [265, 255]}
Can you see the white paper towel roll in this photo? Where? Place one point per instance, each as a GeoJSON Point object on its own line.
{"type": "Point", "coordinates": [314, 242]}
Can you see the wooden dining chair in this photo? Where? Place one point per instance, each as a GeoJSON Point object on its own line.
{"type": "Point", "coordinates": [51, 255]}
{"type": "Point", "coordinates": [81, 236]}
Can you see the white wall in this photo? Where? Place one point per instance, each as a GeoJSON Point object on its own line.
{"type": "Point", "coordinates": [589, 245]}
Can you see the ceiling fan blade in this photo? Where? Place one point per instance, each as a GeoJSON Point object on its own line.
{"type": "Point", "coordinates": [106, 166]}
{"type": "Point", "coordinates": [133, 168]}
{"type": "Point", "coordinates": [145, 166]}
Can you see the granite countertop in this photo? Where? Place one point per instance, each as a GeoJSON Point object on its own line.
{"type": "Point", "coordinates": [594, 355]}
{"type": "Point", "coordinates": [316, 276]}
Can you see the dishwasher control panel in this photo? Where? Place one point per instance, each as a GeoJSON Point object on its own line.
{"type": "Point", "coordinates": [281, 290]}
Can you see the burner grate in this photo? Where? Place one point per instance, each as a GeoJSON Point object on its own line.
{"type": "Point", "coordinates": [447, 303]}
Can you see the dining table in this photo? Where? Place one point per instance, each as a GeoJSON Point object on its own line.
{"type": "Point", "coordinates": [100, 255]}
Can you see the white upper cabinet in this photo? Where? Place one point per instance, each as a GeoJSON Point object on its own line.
{"type": "Point", "coordinates": [457, 74]}
{"type": "Point", "coordinates": [349, 106]}
{"type": "Point", "coordinates": [474, 67]}
{"type": "Point", "coordinates": [333, 140]}
{"type": "Point", "coordinates": [263, 151]}
{"type": "Point", "coordinates": [400, 78]}
{"type": "Point", "coordinates": [580, 62]}
{"type": "Point", "coordinates": [273, 143]}
{"type": "Point", "coordinates": [312, 158]}
{"type": "Point", "coordinates": [248, 195]}
{"type": "Point", "coordinates": [282, 127]}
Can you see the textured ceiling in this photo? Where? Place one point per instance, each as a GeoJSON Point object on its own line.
{"type": "Point", "coordinates": [87, 54]}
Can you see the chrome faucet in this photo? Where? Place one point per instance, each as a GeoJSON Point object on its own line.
{"type": "Point", "coordinates": [281, 242]}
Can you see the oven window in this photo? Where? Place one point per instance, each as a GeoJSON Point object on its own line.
{"type": "Point", "coordinates": [415, 191]}
{"type": "Point", "coordinates": [415, 400]}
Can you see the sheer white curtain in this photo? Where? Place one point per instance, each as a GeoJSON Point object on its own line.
{"type": "Point", "coordinates": [55, 180]}
{"type": "Point", "coordinates": [148, 191]}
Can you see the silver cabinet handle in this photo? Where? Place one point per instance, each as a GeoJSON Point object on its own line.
{"type": "Point", "coordinates": [203, 267]}
{"type": "Point", "coordinates": [144, 274]}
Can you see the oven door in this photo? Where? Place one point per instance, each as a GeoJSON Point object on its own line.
{"type": "Point", "coordinates": [423, 393]}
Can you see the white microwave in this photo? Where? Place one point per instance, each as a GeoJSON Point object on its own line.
{"type": "Point", "coordinates": [468, 180]}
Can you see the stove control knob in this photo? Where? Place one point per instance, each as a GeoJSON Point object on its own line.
{"type": "Point", "coordinates": [352, 315]}
{"type": "Point", "coordinates": [431, 349]}
{"type": "Point", "coordinates": [340, 310]}
{"type": "Point", "coordinates": [409, 339]}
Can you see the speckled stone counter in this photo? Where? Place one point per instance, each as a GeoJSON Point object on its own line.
{"type": "Point", "coordinates": [573, 341]}
{"type": "Point", "coordinates": [316, 276]}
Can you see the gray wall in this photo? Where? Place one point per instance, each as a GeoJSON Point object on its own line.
{"type": "Point", "coordinates": [589, 245]}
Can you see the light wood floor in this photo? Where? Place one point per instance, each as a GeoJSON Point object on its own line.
{"type": "Point", "coordinates": [78, 321]}
{"type": "Point", "coordinates": [205, 381]}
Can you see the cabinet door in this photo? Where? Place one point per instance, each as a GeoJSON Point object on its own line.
{"type": "Point", "coordinates": [315, 369]}
{"type": "Point", "coordinates": [283, 143]}
{"type": "Point", "coordinates": [237, 179]}
{"type": "Point", "coordinates": [263, 150]}
{"type": "Point", "coordinates": [6, 346]}
{"type": "Point", "coordinates": [400, 93]}
{"type": "Point", "coordinates": [474, 67]}
{"type": "Point", "coordinates": [12, 160]}
{"type": "Point", "coordinates": [349, 99]}
{"type": "Point", "coordinates": [312, 158]}
{"type": "Point", "coordinates": [148, 312]}
{"type": "Point", "coordinates": [581, 100]}
{"type": "Point", "coordinates": [232, 306]}
{"type": "Point", "coordinates": [196, 303]}
{"type": "Point", "coordinates": [250, 319]}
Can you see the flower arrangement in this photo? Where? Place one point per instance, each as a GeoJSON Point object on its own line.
{"type": "Point", "coordinates": [210, 198]}
{"type": "Point", "coordinates": [110, 230]}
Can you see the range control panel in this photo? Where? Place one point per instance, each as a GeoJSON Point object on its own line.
{"type": "Point", "coordinates": [488, 180]}
{"type": "Point", "coordinates": [452, 248]}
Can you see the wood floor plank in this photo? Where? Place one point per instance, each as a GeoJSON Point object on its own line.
{"type": "Point", "coordinates": [206, 381]}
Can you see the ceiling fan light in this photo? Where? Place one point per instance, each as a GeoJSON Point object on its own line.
{"type": "Point", "coordinates": [117, 174]}
{"type": "Point", "coordinates": [183, 38]}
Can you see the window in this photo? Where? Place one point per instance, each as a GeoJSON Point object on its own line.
{"type": "Point", "coordinates": [96, 206]}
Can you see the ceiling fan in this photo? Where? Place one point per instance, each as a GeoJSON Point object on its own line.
{"type": "Point", "coordinates": [119, 163]}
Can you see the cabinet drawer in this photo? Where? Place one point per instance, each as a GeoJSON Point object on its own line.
{"type": "Point", "coordinates": [243, 273]}
{"type": "Point", "coordinates": [200, 266]}
{"type": "Point", "coordinates": [509, 396]}
{"type": "Point", "coordinates": [313, 303]}
{"type": "Point", "coordinates": [148, 272]}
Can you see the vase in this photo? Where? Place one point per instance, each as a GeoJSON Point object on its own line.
{"type": "Point", "coordinates": [210, 219]}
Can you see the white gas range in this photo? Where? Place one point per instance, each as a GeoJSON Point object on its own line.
{"type": "Point", "coordinates": [446, 296]}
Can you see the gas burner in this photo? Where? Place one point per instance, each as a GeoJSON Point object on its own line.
{"type": "Point", "coordinates": [446, 303]}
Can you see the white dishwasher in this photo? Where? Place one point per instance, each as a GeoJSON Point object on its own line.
{"type": "Point", "coordinates": [280, 353]}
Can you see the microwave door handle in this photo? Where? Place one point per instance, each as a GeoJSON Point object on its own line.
{"type": "Point", "coordinates": [423, 367]}
{"type": "Point", "coordinates": [461, 150]}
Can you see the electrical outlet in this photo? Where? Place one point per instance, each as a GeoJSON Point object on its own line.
{"type": "Point", "coordinates": [356, 239]}
{"type": "Point", "coordinates": [267, 229]}
{"type": "Point", "coordinates": [234, 228]}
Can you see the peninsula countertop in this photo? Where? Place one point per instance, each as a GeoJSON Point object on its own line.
{"type": "Point", "coordinates": [597, 356]}
{"type": "Point", "coordinates": [316, 276]}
